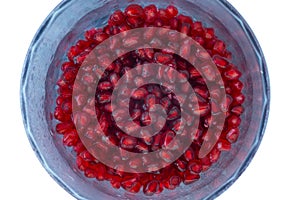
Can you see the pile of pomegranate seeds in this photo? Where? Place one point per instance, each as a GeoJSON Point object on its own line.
{"type": "Point", "coordinates": [185, 169]}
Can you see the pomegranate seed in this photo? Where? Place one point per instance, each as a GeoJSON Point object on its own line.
{"type": "Point", "coordinates": [197, 29]}
{"type": "Point", "coordinates": [162, 58]}
{"type": "Point", "coordinates": [151, 187]}
{"type": "Point", "coordinates": [70, 138]}
{"type": "Point", "coordinates": [150, 13]}
{"type": "Point", "coordinates": [219, 47]}
{"type": "Point", "coordinates": [171, 11]}
{"type": "Point", "coordinates": [232, 135]}
{"type": "Point", "coordinates": [195, 167]}
{"type": "Point", "coordinates": [174, 23]}
{"type": "Point", "coordinates": [181, 165]}
{"type": "Point", "coordinates": [189, 154]}
{"type": "Point", "coordinates": [214, 155]}
{"type": "Point", "coordinates": [117, 18]}
{"type": "Point", "coordinates": [185, 19]}
{"type": "Point", "coordinates": [220, 61]}
{"type": "Point", "coordinates": [232, 74]}
{"type": "Point", "coordinates": [237, 110]}
{"type": "Point", "coordinates": [237, 85]}
{"type": "Point", "coordinates": [134, 10]}
{"type": "Point", "coordinates": [128, 142]}
{"type": "Point", "coordinates": [135, 22]}
{"type": "Point", "coordinates": [233, 121]}
{"type": "Point", "coordinates": [64, 127]}
{"type": "Point", "coordinates": [105, 85]}
{"type": "Point", "coordinates": [190, 178]}
{"type": "Point", "coordinates": [173, 182]}
{"type": "Point", "coordinates": [223, 145]}
{"type": "Point", "coordinates": [209, 33]}
{"type": "Point", "coordinates": [239, 99]}
{"type": "Point", "coordinates": [173, 114]}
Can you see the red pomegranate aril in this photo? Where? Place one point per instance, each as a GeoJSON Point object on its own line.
{"type": "Point", "coordinates": [185, 169]}
{"type": "Point", "coordinates": [103, 98]}
{"type": "Point", "coordinates": [105, 85]}
{"type": "Point", "coordinates": [70, 138]}
{"type": "Point", "coordinates": [237, 110]}
{"type": "Point", "coordinates": [174, 23]}
{"type": "Point", "coordinates": [223, 145]}
{"type": "Point", "coordinates": [89, 35]}
{"type": "Point", "coordinates": [239, 99]}
{"type": "Point", "coordinates": [232, 74]}
{"type": "Point", "coordinates": [197, 29]}
{"type": "Point", "coordinates": [209, 33]}
{"type": "Point", "coordinates": [233, 121]}
{"type": "Point", "coordinates": [117, 18]}
{"type": "Point", "coordinates": [185, 19]}
{"type": "Point", "coordinates": [219, 47]}
{"type": "Point", "coordinates": [163, 58]}
{"type": "Point", "coordinates": [232, 135]}
{"type": "Point", "coordinates": [220, 61]}
{"type": "Point", "coordinates": [100, 37]}
{"type": "Point", "coordinates": [142, 147]}
{"type": "Point", "coordinates": [214, 155]}
{"type": "Point", "coordinates": [60, 115]}
{"type": "Point", "coordinates": [134, 10]}
{"type": "Point", "coordinates": [135, 22]}
{"type": "Point", "coordinates": [173, 114]}
{"type": "Point", "coordinates": [190, 178]}
{"type": "Point", "coordinates": [128, 142]}
{"type": "Point", "coordinates": [185, 28]}
{"type": "Point", "coordinates": [189, 154]}
{"type": "Point", "coordinates": [172, 183]}
{"type": "Point", "coordinates": [116, 182]}
{"type": "Point", "coordinates": [151, 187]}
{"type": "Point", "coordinates": [194, 167]}
{"type": "Point", "coordinates": [236, 85]}
{"type": "Point", "coordinates": [171, 11]}
{"type": "Point", "coordinates": [181, 165]}
{"type": "Point", "coordinates": [150, 13]}
{"type": "Point", "coordinates": [162, 14]}
{"type": "Point", "coordinates": [64, 127]}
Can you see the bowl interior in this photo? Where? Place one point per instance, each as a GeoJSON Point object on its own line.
{"type": "Point", "coordinates": [42, 69]}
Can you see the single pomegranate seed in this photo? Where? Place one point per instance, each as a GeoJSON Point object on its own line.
{"type": "Point", "coordinates": [117, 18]}
{"type": "Point", "coordinates": [195, 167]}
{"type": "Point", "coordinates": [128, 142]}
{"type": "Point", "coordinates": [70, 138]}
{"type": "Point", "coordinates": [233, 121]}
{"type": "Point", "coordinates": [151, 187]}
{"type": "Point", "coordinates": [162, 58]}
{"type": "Point", "coordinates": [171, 11]}
{"type": "Point", "coordinates": [219, 47]}
{"type": "Point", "coordinates": [220, 61]}
{"type": "Point", "coordinates": [150, 13]}
{"type": "Point", "coordinates": [209, 33]}
{"type": "Point", "coordinates": [239, 99]}
{"type": "Point", "coordinates": [214, 155]}
{"type": "Point", "coordinates": [64, 127]}
{"type": "Point", "coordinates": [134, 10]}
{"type": "Point", "coordinates": [189, 154]}
{"type": "Point", "coordinates": [237, 110]}
{"type": "Point", "coordinates": [232, 135]}
{"type": "Point", "coordinates": [224, 145]}
{"type": "Point", "coordinates": [197, 29]}
{"type": "Point", "coordinates": [232, 74]}
{"type": "Point", "coordinates": [190, 178]}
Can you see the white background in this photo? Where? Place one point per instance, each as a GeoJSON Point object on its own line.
{"type": "Point", "coordinates": [274, 172]}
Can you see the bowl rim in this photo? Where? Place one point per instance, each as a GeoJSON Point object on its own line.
{"type": "Point", "coordinates": [265, 85]}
